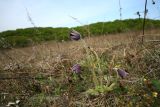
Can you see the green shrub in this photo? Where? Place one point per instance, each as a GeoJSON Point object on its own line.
{"type": "Point", "coordinates": [23, 37]}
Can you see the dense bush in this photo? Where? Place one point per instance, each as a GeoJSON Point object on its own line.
{"type": "Point", "coordinates": [24, 37]}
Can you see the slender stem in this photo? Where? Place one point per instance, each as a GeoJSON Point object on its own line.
{"type": "Point", "coordinates": [144, 20]}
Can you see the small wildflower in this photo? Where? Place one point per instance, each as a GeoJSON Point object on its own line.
{"type": "Point", "coordinates": [154, 94]}
{"type": "Point", "coordinates": [145, 95]}
{"type": "Point", "coordinates": [74, 35]}
{"type": "Point", "coordinates": [144, 79]}
{"type": "Point", "coordinates": [121, 72]}
{"type": "Point", "coordinates": [76, 68]}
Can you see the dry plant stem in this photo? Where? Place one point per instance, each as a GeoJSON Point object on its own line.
{"type": "Point", "coordinates": [87, 29]}
{"type": "Point", "coordinates": [150, 53]}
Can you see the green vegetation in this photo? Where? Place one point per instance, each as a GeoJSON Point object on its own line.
{"type": "Point", "coordinates": [97, 84]}
{"type": "Point", "coordinates": [29, 36]}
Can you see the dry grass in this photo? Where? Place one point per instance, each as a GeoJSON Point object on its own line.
{"type": "Point", "coordinates": [50, 51]}
{"type": "Point", "coordinates": [52, 59]}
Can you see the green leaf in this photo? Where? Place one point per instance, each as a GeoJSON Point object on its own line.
{"type": "Point", "coordinates": [156, 84]}
{"type": "Point", "coordinates": [92, 92]}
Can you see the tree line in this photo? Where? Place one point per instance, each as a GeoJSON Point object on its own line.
{"type": "Point", "coordinates": [30, 36]}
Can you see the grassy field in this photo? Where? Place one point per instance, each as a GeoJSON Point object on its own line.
{"type": "Point", "coordinates": [43, 76]}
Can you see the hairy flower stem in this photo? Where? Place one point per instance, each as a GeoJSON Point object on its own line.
{"type": "Point", "coordinates": [99, 66]}
{"type": "Point", "coordinates": [90, 61]}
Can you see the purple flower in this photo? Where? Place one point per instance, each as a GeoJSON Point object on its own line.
{"type": "Point", "coordinates": [74, 35]}
{"type": "Point", "coordinates": [76, 68]}
{"type": "Point", "coordinates": [122, 73]}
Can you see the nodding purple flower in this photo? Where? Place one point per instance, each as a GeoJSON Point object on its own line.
{"type": "Point", "coordinates": [122, 73]}
{"type": "Point", "coordinates": [74, 35]}
{"type": "Point", "coordinates": [76, 68]}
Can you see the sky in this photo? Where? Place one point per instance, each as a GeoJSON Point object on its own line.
{"type": "Point", "coordinates": [60, 13]}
